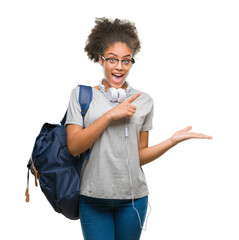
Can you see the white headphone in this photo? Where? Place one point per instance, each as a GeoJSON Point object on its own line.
{"type": "Point", "coordinates": [115, 94]}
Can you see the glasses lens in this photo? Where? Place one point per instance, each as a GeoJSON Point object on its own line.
{"type": "Point", "coordinates": [113, 60]}
{"type": "Point", "coordinates": [126, 62]}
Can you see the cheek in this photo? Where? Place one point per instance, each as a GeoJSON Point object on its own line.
{"type": "Point", "coordinates": [126, 72]}
{"type": "Point", "coordinates": [107, 70]}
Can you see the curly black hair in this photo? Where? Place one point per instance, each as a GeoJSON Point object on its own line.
{"type": "Point", "coordinates": [107, 32]}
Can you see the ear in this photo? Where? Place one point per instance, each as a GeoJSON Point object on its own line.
{"type": "Point", "coordinates": [101, 61]}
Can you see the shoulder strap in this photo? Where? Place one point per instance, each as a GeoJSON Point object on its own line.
{"type": "Point", "coordinates": [85, 97]}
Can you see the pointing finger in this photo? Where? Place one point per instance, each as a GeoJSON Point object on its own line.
{"type": "Point", "coordinates": [131, 99]}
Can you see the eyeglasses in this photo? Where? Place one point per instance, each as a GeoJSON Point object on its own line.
{"type": "Point", "coordinates": [115, 61]}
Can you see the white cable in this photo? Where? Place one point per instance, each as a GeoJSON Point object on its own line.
{"type": "Point", "coordinates": [130, 179]}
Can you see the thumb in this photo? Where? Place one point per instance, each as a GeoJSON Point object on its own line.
{"type": "Point", "coordinates": [187, 128]}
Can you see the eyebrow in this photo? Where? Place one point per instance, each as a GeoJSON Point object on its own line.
{"type": "Point", "coordinates": [128, 55]}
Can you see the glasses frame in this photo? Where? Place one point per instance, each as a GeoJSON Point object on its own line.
{"type": "Point", "coordinates": [117, 60]}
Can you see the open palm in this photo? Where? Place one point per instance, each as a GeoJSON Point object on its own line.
{"type": "Point", "coordinates": [183, 135]}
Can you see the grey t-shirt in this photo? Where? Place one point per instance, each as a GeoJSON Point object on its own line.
{"type": "Point", "coordinates": [105, 174]}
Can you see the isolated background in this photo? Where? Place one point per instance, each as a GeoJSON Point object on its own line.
{"type": "Point", "coordinates": [188, 64]}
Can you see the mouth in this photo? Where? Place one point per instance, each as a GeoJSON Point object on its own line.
{"type": "Point", "coordinates": [117, 77]}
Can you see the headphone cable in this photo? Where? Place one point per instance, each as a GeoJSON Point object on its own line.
{"type": "Point", "coordinates": [130, 179]}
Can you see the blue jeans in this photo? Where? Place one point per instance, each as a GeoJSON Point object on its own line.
{"type": "Point", "coordinates": [111, 219]}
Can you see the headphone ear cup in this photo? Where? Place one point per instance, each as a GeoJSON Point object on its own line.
{"type": "Point", "coordinates": [112, 94]}
{"type": "Point", "coordinates": [121, 95]}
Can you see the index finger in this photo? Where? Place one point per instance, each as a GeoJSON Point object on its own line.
{"type": "Point", "coordinates": [131, 99]}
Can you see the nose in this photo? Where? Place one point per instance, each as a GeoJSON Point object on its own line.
{"type": "Point", "coordinates": [119, 65]}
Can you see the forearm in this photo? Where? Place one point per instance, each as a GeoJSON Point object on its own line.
{"type": "Point", "coordinates": [148, 154]}
{"type": "Point", "coordinates": [82, 140]}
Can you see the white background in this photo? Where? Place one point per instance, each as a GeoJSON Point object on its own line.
{"type": "Point", "coordinates": [188, 64]}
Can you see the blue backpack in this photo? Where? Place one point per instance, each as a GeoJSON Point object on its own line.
{"type": "Point", "coordinates": [56, 169]}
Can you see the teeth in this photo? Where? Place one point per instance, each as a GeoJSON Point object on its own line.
{"type": "Point", "coordinates": [118, 75]}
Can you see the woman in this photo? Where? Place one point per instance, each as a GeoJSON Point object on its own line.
{"type": "Point", "coordinates": [114, 193]}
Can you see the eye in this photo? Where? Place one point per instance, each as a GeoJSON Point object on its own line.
{"type": "Point", "coordinates": [112, 60]}
{"type": "Point", "coordinates": [126, 62]}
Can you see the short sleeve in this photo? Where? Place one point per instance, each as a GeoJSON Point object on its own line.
{"type": "Point", "coordinates": [74, 110]}
{"type": "Point", "coordinates": [148, 121]}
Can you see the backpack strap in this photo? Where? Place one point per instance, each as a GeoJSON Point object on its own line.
{"type": "Point", "coordinates": [85, 97]}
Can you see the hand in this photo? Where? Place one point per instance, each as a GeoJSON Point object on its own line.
{"type": "Point", "coordinates": [183, 135]}
{"type": "Point", "coordinates": [124, 109]}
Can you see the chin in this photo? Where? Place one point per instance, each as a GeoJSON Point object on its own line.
{"type": "Point", "coordinates": [117, 84]}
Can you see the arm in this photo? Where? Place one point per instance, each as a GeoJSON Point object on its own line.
{"type": "Point", "coordinates": [148, 154]}
{"type": "Point", "coordinates": [79, 139]}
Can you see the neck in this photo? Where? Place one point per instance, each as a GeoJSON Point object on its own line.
{"type": "Point", "coordinates": [106, 84]}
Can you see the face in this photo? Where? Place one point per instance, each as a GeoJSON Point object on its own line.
{"type": "Point", "coordinates": [116, 72]}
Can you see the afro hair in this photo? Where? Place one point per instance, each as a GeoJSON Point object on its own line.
{"type": "Point", "coordinates": [107, 32]}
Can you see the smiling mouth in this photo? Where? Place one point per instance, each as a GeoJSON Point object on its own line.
{"type": "Point", "coordinates": [117, 77]}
